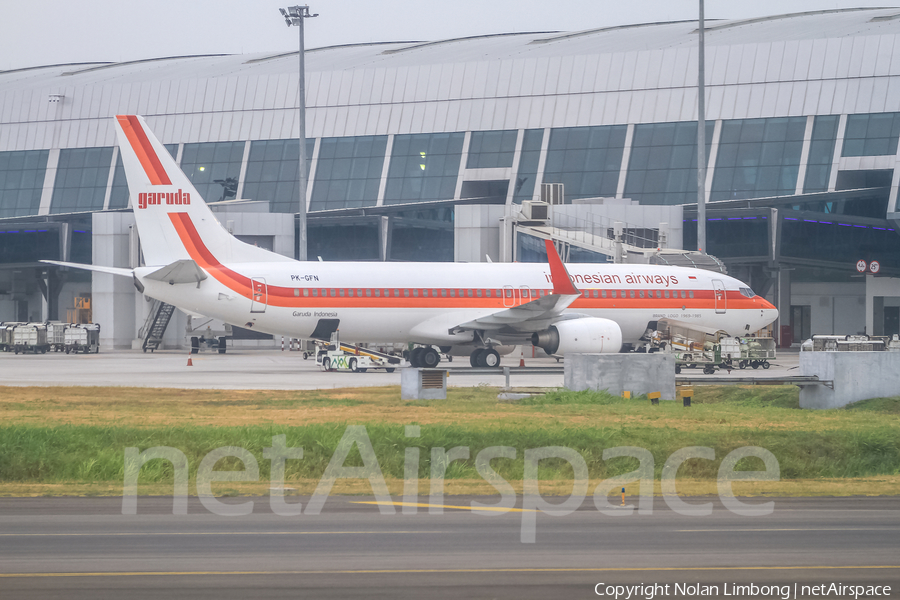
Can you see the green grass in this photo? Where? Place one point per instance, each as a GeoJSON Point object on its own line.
{"type": "Point", "coordinates": [862, 440]}
{"type": "Point", "coordinates": [92, 454]}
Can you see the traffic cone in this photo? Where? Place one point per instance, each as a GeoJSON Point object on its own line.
{"type": "Point", "coordinates": [190, 362]}
{"type": "Point", "coordinates": [521, 356]}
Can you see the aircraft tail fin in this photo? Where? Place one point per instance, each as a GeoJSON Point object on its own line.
{"type": "Point", "coordinates": [173, 221]}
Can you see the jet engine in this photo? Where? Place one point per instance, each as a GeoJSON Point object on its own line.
{"type": "Point", "coordinates": [589, 335]}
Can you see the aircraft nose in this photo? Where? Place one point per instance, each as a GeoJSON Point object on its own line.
{"type": "Point", "coordinates": [769, 310]}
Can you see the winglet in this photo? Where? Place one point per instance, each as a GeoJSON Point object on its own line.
{"type": "Point", "coordinates": [562, 283]}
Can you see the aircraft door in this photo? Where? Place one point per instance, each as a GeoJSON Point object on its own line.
{"type": "Point", "coordinates": [509, 296]}
{"type": "Point", "coordinates": [719, 293]}
{"type": "Point", "coordinates": [524, 294]}
{"type": "Point", "coordinates": [259, 296]}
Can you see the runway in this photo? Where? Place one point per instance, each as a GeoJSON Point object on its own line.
{"type": "Point", "coordinates": [85, 548]}
{"type": "Point", "coordinates": [268, 369]}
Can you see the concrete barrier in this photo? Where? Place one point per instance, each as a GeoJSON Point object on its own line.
{"type": "Point", "coordinates": [856, 376]}
{"type": "Point", "coordinates": [618, 373]}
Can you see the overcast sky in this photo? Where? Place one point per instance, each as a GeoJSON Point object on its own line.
{"type": "Point", "coordinates": [69, 31]}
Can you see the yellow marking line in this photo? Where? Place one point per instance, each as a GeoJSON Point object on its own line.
{"type": "Point", "coordinates": [450, 571]}
{"type": "Point", "coordinates": [148, 533]}
{"type": "Point", "coordinates": [423, 505]}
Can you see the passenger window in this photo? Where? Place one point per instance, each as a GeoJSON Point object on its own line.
{"type": "Point", "coordinates": [478, 293]}
{"type": "Point", "coordinates": [641, 294]}
{"type": "Point", "coordinates": [453, 293]}
{"type": "Point", "coordinates": [341, 292]}
{"type": "Point", "coordinates": [415, 293]}
{"type": "Point", "coordinates": [315, 293]}
{"type": "Point", "coordinates": [691, 294]}
{"type": "Point", "coordinates": [509, 293]}
{"type": "Point", "coordinates": [406, 293]}
{"type": "Point", "coordinates": [297, 292]}
{"type": "Point", "coordinates": [444, 293]}
{"type": "Point", "coordinates": [683, 294]}
{"type": "Point", "coordinates": [666, 293]}
{"type": "Point", "coordinates": [632, 293]}
{"type": "Point", "coordinates": [369, 293]}
{"type": "Point", "coordinates": [603, 293]}
{"type": "Point", "coordinates": [334, 293]}
{"type": "Point", "coordinates": [470, 293]}
{"type": "Point", "coordinates": [396, 293]}
{"type": "Point", "coordinates": [350, 293]}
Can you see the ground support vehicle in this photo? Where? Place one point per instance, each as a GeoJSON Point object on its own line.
{"type": "Point", "coordinates": [336, 356]}
{"type": "Point", "coordinates": [756, 352]}
{"type": "Point", "coordinates": [210, 339]}
{"type": "Point", "coordinates": [694, 345]}
{"type": "Point", "coordinates": [84, 338]}
{"type": "Point", "coordinates": [30, 337]}
{"type": "Point", "coordinates": [56, 335]}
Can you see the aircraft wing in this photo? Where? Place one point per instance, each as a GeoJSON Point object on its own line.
{"type": "Point", "coordinates": [537, 314]}
{"type": "Point", "coordinates": [534, 314]}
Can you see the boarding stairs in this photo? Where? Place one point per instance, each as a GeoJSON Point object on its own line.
{"type": "Point", "coordinates": [155, 325]}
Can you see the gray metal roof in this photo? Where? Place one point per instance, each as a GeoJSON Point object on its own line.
{"type": "Point", "coordinates": [827, 62]}
{"type": "Point", "coordinates": [819, 25]}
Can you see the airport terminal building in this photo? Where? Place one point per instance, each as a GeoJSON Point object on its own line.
{"type": "Point", "coordinates": [428, 150]}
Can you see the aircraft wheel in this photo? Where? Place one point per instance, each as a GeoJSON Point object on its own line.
{"type": "Point", "coordinates": [475, 357]}
{"type": "Point", "coordinates": [415, 357]}
{"type": "Point", "coordinates": [353, 365]}
{"type": "Point", "coordinates": [429, 358]}
{"type": "Point", "coordinates": [490, 358]}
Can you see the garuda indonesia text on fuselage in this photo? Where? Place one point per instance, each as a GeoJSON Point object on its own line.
{"type": "Point", "coordinates": [195, 264]}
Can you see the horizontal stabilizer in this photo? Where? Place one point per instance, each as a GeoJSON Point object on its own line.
{"type": "Point", "coordinates": [100, 269]}
{"type": "Point", "coordinates": [180, 271]}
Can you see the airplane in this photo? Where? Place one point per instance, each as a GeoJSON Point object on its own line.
{"type": "Point", "coordinates": [194, 263]}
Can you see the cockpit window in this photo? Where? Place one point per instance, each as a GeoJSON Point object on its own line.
{"type": "Point", "coordinates": [747, 292]}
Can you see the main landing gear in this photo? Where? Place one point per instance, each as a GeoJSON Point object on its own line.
{"type": "Point", "coordinates": [485, 357]}
{"type": "Point", "coordinates": [424, 357]}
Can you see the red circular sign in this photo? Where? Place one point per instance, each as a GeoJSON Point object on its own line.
{"type": "Point", "coordinates": [861, 266]}
{"type": "Point", "coordinates": [874, 267]}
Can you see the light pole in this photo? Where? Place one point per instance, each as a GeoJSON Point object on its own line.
{"type": "Point", "coordinates": [295, 15]}
{"type": "Point", "coordinates": [701, 144]}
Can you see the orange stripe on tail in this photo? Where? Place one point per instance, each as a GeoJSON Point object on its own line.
{"type": "Point", "coordinates": [144, 150]}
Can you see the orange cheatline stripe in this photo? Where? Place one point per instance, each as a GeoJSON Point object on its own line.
{"type": "Point", "coordinates": [285, 297]}
{"type": "Point", "coordinates": [143, 149]}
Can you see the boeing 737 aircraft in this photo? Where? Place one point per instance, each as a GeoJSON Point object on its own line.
{"type": "Point", "coordinates": [196, 265]}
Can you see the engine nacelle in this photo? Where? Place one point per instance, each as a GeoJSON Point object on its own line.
{"type": "Point", "coordinates": [588, 335]}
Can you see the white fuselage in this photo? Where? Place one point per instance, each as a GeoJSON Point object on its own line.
{"type": "Point", "coordinates": [423, 302]}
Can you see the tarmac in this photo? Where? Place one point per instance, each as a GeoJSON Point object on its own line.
{"type": "Point", "coordinates": [278, 370]}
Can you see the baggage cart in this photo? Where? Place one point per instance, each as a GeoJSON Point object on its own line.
{"type": "Point", "coordinates": [56, 335]}
{"type": "Point", "coordinates": [30, 337]}
{"type": "Point", "coordinates": [84, 338]}
{"type": "Point", "coordinates": [756, 352]}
